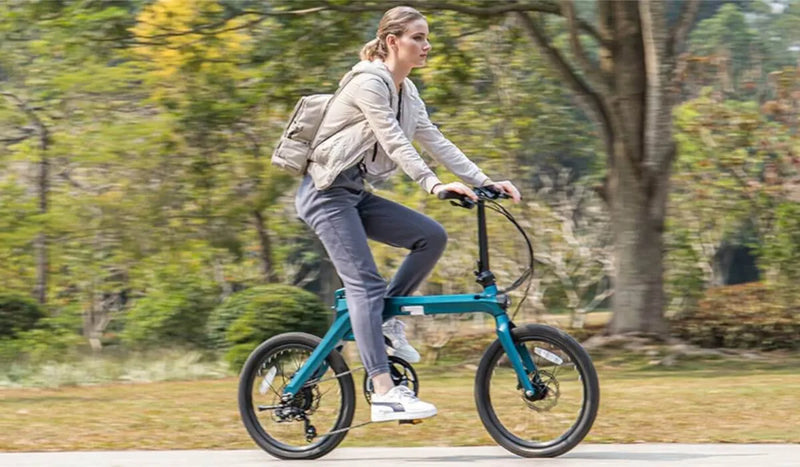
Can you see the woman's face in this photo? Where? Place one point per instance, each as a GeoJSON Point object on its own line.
{"type": "Point", "coordinates": [412, 47]}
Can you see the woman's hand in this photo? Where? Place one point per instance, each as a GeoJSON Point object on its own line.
{"type": "Point", "coordinates": [456, 187]}
{"type": "Point", "coordinates": [508, 188]}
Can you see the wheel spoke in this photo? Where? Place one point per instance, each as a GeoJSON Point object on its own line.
{"type": "Point", "coordinates": [559, 416]}
{"type": "Point", "coordinates": [280, 428]}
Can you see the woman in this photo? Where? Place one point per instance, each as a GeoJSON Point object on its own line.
{"type": "Point", "coordinates": [365, 136]}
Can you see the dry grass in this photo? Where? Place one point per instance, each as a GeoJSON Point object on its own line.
{"type": "Point", "coordinates": [697, 401]}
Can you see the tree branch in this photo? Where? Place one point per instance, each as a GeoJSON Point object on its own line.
{"type": "Point", "coordinates": [41, 129]}
{"type": "Point", "coordinates": [590, 98]}
{"type": "Point", "coordinates": [681, 29]}
{"type": "Point", "coordinates": [497, 9]}
{"type": "Point", "coordinates": [17, 139]}
{"type": "Point", "coordinates": [590, 70]}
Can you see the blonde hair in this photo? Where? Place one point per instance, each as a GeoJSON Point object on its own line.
{"type": "Point", "coordinates": [394, 21]}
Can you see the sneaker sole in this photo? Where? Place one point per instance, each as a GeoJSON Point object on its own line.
{"type": "Point", "coordinates": [410, 358]}
{"type": "Point", "coordinates": [393, 416]}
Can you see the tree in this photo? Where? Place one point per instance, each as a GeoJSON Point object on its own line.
{"type": "Point", "coordinates": [42, 63]}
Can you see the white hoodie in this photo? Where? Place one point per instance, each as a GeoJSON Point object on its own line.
{"type": "Point", "coordinates": [366, 109]}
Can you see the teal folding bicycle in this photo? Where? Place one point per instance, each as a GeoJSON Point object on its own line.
{"type": "Point", "coordinates": [536, 388]}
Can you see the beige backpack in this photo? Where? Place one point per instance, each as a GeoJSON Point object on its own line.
{"type": "Point", "coordinates": [297, 142]}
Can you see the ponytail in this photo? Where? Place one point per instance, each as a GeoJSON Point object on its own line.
{"type": "Point", "coordinates": [373, 49]}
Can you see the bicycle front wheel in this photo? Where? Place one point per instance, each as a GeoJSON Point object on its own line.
{"type": "Point", "coordinates": [560, 415]}
{"type": "Point", "coordinates": [295, 429]}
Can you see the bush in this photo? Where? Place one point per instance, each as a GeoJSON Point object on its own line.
{"type": "Point", "coordinates": [54, 338]}
{"type": "Point", "coordinates": [17, 314]}
{"type": "Point", "coordinates": [251, 316]}
{"type": "Point", "coordinates": [740, 316]}
{"type": "Point", "coordinates": [174, 315]}
{"type": "Point", "coordinates": [50, 344]}
{"type": "Point", "coordinates": [780, 254]}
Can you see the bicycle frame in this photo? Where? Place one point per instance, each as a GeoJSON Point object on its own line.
{"type": "Point", "coordinates": [487, 302]}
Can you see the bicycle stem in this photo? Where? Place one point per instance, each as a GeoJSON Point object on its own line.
{"type": "Point", "coordinates": [485, 277]}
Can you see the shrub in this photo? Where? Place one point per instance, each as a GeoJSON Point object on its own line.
{"type": "Point", "coordinates": [780, 254]}
{"type": "Point", "coordinates": [740, 316]}
{"type": "Point", "coordinates": [53, 338]}
{"type": "Point", "coordinates": [17, 314]}
{"type": "Point", "coordinates": [249, 317]}
{"type": "Point", "coordinates": [49, 344]}
{"type": "Point", "coordinates": [176, 314]}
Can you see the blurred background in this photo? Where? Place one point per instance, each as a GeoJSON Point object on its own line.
{"type": "Point", "coordinates": [144, 235]}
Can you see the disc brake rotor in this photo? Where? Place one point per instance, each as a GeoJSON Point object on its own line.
{"type": "Point", "coordinates": [549, 384]}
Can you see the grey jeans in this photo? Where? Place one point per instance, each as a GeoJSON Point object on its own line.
{"type": "Point", "coordinates": [343, 217]}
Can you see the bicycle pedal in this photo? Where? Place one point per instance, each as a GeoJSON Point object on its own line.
{"type": "Point", "coordinates": [416, 421]}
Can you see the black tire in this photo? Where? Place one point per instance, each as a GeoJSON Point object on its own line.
{"type": "Point", "coordinates": [285, 439]}
{"type": "Point", "coordinates": [572, 387]}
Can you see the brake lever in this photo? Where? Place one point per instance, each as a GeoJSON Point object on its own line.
{"type": "Point", "coordinates": [465, 203]}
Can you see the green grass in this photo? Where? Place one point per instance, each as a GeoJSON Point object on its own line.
{"type": "Point", "coordinates": [140, 367]}
{"type": "Point", "coordinates": [721, 399]}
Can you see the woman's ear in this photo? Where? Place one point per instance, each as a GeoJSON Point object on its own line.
{"type": "Point", "coordinates": [391, 42]}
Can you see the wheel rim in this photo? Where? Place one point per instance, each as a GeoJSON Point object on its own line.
{"type": "Point", "coordinates": [541, 423]}
{"type": "Point", "coordinates": [321, 404]}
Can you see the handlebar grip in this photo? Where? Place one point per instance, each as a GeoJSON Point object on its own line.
{"type": "Point", "coordinates": [447, 194]}
{"type": "Point", "coordinates": [492, 192]}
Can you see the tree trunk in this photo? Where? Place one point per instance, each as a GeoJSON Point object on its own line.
{"type": "Point", "coordinates": [636, 190]}
{"type": "Point", "coordinates": [43, 191]}
{"type": "Point", "coordinates": [40, 243]}
{"type": "Point", "coordinates": [266, 247]}
{"type": "Point", "coordinates": [638, 250]}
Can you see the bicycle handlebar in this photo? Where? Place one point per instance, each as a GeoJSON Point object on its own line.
{"type": "Point", "coordinates": [483, 192]}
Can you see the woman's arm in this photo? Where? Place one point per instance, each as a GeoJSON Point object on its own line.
{"type": "Point", "coordinates": [447, 153]}
{"type": "Point", "coordinates": [371, 97]}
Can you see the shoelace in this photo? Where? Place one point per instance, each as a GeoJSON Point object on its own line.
{"type": "Point", "coordinates": [406, 393]}
{"type": "Point", "coordinates": [397, 334]}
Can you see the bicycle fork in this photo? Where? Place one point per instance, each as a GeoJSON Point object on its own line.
{"type": "Point", "coordinates": [518, 356]}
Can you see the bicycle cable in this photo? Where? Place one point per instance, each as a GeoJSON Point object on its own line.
{"type": "Point", "coordinates": [528, 273]}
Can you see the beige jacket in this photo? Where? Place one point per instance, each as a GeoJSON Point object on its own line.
{"type": "Point", "coordinates": [365, 112]}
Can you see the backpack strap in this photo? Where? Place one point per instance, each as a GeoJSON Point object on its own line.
{"type": "Point", "coordinates": [344, 83]}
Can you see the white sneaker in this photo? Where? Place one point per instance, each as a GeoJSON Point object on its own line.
{"type": "Point", "coordinates": [400, 403]}
{"type": "Point", "coordinates": [393, 328]}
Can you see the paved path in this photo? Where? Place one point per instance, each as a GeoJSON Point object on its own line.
{"type": "Point", "coordinates": [666, 455]}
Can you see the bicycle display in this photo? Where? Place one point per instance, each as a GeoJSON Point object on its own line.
{"type": "Point", "coordinates": [536, 389]}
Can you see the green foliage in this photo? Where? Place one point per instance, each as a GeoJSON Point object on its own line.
{"type": "Point", "coordinates": [49, 343]}
{"type": "Point", "coordinates": [742, 316]}
{"type": "Point", "coordinates": [733, 169]}
{"type": "Point", "coordinates": [17, 314]}
{"type": "Point", "coordinates": [781, 253]}
{"type": "Point", "coordinates": [54, 338]}
{"type": "Point", "coordinates": [248, 317]}
{"type": "Point", "coordinates": [174, 315]}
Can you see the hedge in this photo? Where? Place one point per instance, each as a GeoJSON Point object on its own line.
{"type": "Point", "coordinates": [251, 316]}
{"type": "Point", "coordinates": [747, 316]}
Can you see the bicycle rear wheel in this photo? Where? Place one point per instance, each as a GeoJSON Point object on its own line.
{"type": "Point", "coordinates": [559, 417]}
{"type": "Point", "coordinates": [290, 430]}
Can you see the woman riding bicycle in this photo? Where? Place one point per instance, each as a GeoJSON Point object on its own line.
{"type": "Point", "coordinates": [366, 134]}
